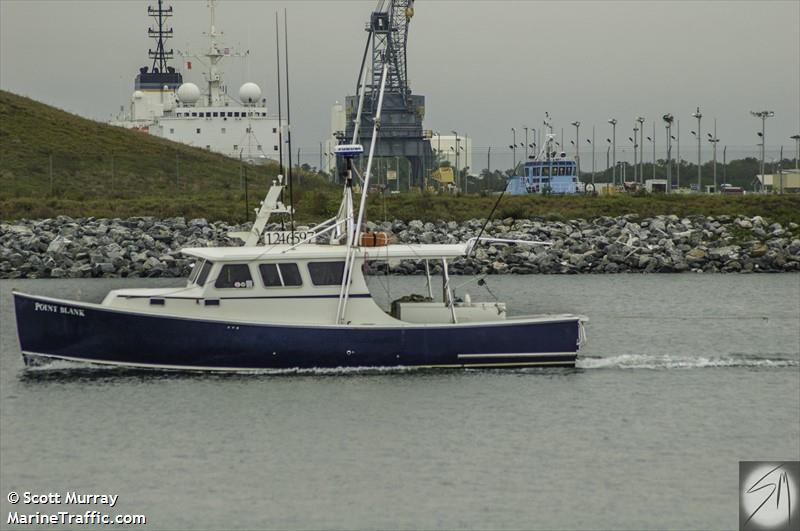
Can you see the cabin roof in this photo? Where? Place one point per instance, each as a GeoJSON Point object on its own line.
{"type": "Point", "coordinates": [316, 252]}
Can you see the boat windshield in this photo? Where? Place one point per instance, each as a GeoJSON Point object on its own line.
{"type": "Point", "coordinates": [204, 270]}
{"type": "Point", "coordinates": [196, 267]}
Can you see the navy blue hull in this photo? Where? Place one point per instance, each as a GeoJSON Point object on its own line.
{"type": "Point", "coordinates": [72, 330]}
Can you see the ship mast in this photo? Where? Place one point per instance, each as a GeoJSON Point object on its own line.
{"type": "Point", "coordinates": [213, 56]}
{"type": "Point", "coordinates": [160, 33]}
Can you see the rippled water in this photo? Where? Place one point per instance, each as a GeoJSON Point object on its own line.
{"type": "Point", "coordinates": [683, 376]}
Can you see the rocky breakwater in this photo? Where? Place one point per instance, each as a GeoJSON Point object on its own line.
{"type": "Point", "coordinates": [663, 244]}
{"type": "Point", "coordinates": [63, 247]}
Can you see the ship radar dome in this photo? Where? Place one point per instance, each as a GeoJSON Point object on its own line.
{"type": "Point", "coordinates": [250, 93]}
{"type": "Point", "coordinates": [138, 94]}
{"type": "Point", "coordinates": [188, 93]}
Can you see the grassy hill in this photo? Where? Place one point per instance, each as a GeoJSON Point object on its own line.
{"type": "Point", "coordinates": [104, 171]}
{"type": "Point", "coordinates": [53, 162]}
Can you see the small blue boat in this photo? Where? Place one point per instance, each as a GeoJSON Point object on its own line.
{"type": "Point", "coordinates": [549, 171]}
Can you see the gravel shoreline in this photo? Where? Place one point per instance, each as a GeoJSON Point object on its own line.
{"type": "Point", "coordinates": [65, 247]}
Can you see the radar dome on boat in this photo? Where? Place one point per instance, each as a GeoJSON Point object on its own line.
{"type": "Point", "coordinates": [250, 93]}
{"type": "Point", "coordinates": [188, 93]}
{"type": "Point", "coordinates": [138, 94]}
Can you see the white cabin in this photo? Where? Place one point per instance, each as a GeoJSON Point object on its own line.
{"type": "Point", "coordinates": [299, 285]}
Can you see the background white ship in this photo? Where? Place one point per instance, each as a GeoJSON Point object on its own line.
{"type": "Point", "coordinates": [164, 105]}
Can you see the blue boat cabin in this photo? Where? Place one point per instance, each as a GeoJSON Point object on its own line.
{"type": "Point", "coordinates": [555, 176]}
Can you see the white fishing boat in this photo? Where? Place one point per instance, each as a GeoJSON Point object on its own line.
{"type": "Point", "coordinates": [301, 304]}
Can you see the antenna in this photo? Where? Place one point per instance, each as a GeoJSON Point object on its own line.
{"type": "Point", "coordinates": [161, 33]}
{"type": "Point", "coordinates": [280, 112]}
{"type": "Point", "coordinates": [289, 121]}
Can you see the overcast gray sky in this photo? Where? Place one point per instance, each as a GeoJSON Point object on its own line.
{"type": "Point", "coordinates": [484, 66]}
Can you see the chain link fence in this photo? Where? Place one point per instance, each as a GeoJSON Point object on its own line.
{"type": "Point", "coordinates": [128, 175]}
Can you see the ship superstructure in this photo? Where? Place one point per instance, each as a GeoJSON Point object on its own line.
{"type": "Point", "coordinates": [154, 85]}
{"type": "Point", "coordinates": [549, 171]}
{"type": "Point", "coordinates": [210, 117]}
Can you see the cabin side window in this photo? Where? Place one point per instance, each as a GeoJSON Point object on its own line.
{"type": "Point", "coordinates": [269, 275]}
{"type": "Point", "coordinates": [326, 273]}
{"type": "Point", "coordinates": [205, 269]}
{"type": "Point", "coordinates": [290, 274]}
{"type": "Point", "coordinates": [234, 276]}
{"type": "Point", "coordinates": [280, 275]}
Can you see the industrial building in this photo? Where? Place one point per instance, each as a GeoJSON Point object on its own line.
{"type": "Point", "coordinates": [786, 182]}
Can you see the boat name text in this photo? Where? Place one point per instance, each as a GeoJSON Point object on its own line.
{"type": "Point", "coordinates": [42, 307]}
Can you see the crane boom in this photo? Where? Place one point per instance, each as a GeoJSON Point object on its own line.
{"type": "Point", "coordinates": [389, 33]}
{"type": "Point", "coordinates": [402, 136]}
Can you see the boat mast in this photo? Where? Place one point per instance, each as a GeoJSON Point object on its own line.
{"type": "Point", "coordinates": [353, 237]}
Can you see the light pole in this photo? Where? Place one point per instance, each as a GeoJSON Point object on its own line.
{"type": "Point", "coordinates": [640, 121]}
{"type": "Point", "coordinates": [608, 153]}
{"type": "Point", "coordinates": [763, 115]}
{"type": "Point", "coordinates": [514, 148]}
{"type": "Point", "coordinates": [697, 114]}
{"type": "Point", "coordinates": [635, 145]}
{"type": "Point", "coordinates": [678, 142]}
{"type": "Point", "coordinates": [652, 140]}
{"type": "Point", "coordinates": [796, 139]}
{"type": "Point", "coordinates": [635, 141]}
{"type": "Point", "coordinates": [654, 149]}
{"type": "Point", "coordinates": [694, 133]}
{"type": "Point", "coordinates": [577, 125]}
{"type": "Point", "coordinates": [526, 143]}
{"type": "Point", "coordinates": [613, 122]}
{"type": "Point", "coordinates": [714, 141]}
{"type": "Point", "coordinates": [725, 165]}
{"type": "Point", "coordinates": [668, 124]}
{"type": "Point", "coordinates": [463, 174]}
{"type": "Point", "coordinates": [458, 180]}
{"type": "Point", "coordinates": [594, 160]}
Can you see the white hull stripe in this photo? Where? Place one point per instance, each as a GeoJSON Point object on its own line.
{"type": "Point", "coordinates": [490, 365]}
{"type": "Point", "coordinates": [263, 369]}
{"type": "Point", "coordinates": [513, 321]}
{"type": "Point", "coordinates": [517, 355]}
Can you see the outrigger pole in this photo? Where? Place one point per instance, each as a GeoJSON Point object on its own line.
{"type": "Point", "coordinates": [355, 235]}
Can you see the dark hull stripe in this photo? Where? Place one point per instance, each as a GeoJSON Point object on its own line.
{"type": "Point", "coordinates": [91, 333]}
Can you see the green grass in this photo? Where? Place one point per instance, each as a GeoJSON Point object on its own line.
{"type": "Point", "coordinates": [100, 170]}
{"type": "Point", "coordinates": [104, 171]}
{"type": "Point", "coordinates": [783, 208]}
